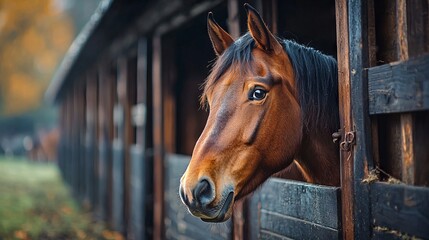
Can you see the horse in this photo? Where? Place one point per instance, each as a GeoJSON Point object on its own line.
{"type": "Point", "coordinates": [273, 105]}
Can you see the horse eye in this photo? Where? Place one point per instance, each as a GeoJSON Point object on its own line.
{"type": "Point", "coordinates": [257, 94]}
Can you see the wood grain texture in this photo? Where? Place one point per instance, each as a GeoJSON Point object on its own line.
{"type": "Point", "coordinates": [137, 226]}
{"type": "Point", "coordinates": [285, 209]}
{"type": "Point", "coordinates": [158, 141]}
{"type": "Point", "coordinates": [401, 208]}
{"type": "Point", "coordinates": [118, 186]}
{"type": "Point", "coordinates": [399, 86]}
{"type": "Point", "coordinates": [310, 203]}
{"type": "Point", "coordinates": [294, 228]}
{"type": "Point", "coordinates": [344, 93]}
{"type": "Point", "coordinates": [362, 159]}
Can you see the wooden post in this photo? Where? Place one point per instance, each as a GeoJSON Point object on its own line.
{"type": "Point", "coordinates": [413, 41]}
{"type": "Point", "coordinates": [90, 136]}
{"type": "Point", "coordinates": [138, 163]}
{"type": "Point", "coordinates": [353, 58]}
{"type": "Point", "coordinates": [158, 139]}
{"type": "Point", "coordinates": [345, 116]}
{"type": "Point", "coordinates": [110, 98]}
{"type": "Point", "coordinates": [102, 141]}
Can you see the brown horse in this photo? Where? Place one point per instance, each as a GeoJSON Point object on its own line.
{"type": "Point", "coordinates": [273, 106]}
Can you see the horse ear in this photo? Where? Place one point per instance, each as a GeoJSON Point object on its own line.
{"type": "Point", "coordinates": [260, 32]}
{"type": "Point", "coordinates": [220, 39]}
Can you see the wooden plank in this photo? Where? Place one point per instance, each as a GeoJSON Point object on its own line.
{"type": "Point", "coordinates": [390, 30]}
{"type": "Point", "coordinates": [137, 202]}
{"type": "Point", "coordinates": [421, 152]}
{"type": "Point", "coordinates": [307, 202]}
{"type": "Point", "coordinates": [417, 27]}
{"type": "Point", "coordinates": [138, 164]}
{"type": "Point", "coordinates": [400, 208]}
{"type": "Point", "coordinates": [253, 216]}
{"type": "Point", "coordinates": [110, 94]}
{"type": "Point", "coordinates": [169, 80]}
{"type": "Point", "coordinates": [177, 13]}
{"type": "Point", "coordinates": [179, 223]}
{"type": "Point", "coordinates": [127, 72]}
{"type": "Point", "coordinates": [270, 15]}
{"type": "Point", "coordinates": [143, 66]}
{"type": "Point", "coordinates": [90, 136]}
{"type": "Point", "coordinates": [346, 124]}
{"type": "Point", "coordinates": [360, 160]}
{"type": "Point", "coordinates": [267, 235]}
{"type": "Point", "coordinates": [88, 169]}
{"type": "Point", "coordinates": [416, 169]}
{"type": "Point", "coordinates": [79, 111]}
{"type": "Point", "coordinates": [158, 139]}
{"type": "Point", "coordinates": [102, 142]}
{"type": "Point", "coordinates": [234, 26]}
{"type": "Point", "coordinates": [399, 86]}
{"type": "Point", "coordinates": [400, 154]}
{"type": "Point", "coordinates": [294, 228]}
{"type": "Point", "coordinates": [118, 186]}
{"type": "Point", "coordinates": [103, 156]}
{"type": "Point", "coordinates": [383, 234]}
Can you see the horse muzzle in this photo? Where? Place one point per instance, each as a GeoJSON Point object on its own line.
{"type": "Point", "coordinates": [203, 202]}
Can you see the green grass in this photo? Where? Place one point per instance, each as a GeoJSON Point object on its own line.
{"type": "Point", "coordinates": [35, 204]}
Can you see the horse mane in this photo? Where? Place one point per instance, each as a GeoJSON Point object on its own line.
{"type": "Point", "coordinates": [316, 78]}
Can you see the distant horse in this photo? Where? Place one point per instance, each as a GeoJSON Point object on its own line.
{"type": "Point", "coordinates": [44, 146]}
{"type": "Point", "coordinates": [273, 105]}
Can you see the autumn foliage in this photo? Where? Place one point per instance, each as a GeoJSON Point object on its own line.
{"type": "Point", "coordinates": [34, 35]}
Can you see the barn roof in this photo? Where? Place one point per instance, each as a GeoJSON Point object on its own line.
{"type": "Point", "coordinates": [105, 24]}
{"type": "Point", "coordinates": [115, 24]}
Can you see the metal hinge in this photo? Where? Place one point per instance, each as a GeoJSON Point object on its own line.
{"type": "Point", "coordinates": [348, 139]}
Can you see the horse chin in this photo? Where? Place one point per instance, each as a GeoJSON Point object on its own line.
{"type": "Point", "coordinates": [225, 211]}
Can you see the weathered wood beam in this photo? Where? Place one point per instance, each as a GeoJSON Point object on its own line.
{"type": "Point", "coordinates": [400, 209]}
{"type": "Point", "coordinates": [399, 87]}
{"type": "Point", "coordinates": [158, 139]}
{"type": "Point", "coordinates": [353, 44]}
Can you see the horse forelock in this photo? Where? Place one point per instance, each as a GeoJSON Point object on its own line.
{"type": "Point", "coordinates": [239, 53]}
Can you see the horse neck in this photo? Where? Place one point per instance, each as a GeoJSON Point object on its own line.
{"type": "Point", "coordinates": [318, 159]}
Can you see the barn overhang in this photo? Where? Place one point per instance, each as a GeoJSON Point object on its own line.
{"type": "Point", "coordinates": [105, 24]}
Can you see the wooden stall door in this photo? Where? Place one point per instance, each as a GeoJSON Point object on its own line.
{"type": "Point", "coordinates": [381, 156]}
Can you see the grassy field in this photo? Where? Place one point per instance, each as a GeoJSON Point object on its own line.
{"type": "Point", "coordinates": [35, 204]}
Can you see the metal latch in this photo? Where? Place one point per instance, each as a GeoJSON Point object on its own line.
{"type": "Point", "coordinates": [348, 139]}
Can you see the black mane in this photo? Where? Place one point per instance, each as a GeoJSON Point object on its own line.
{"type": "Point", "coordinates": [316, 79]}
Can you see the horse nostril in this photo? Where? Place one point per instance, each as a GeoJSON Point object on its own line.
{"type": "Point", "coordinates": [183, 196]}
{"type": "Point", "coordinates": [203, 192]}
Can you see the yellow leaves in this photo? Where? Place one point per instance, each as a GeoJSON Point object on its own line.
{"type": "Point", "coordinates": [34, 35]}
{"type": "Point", "coordinates": [81, 234]}
{"type": "Point", "coordinates": [111, 235]}
{"type": "Point", "coordinates": [66, 210]}
{"type": "Point", "coordinates": [33, 42]}
{"type": "Point", "coordinates": [47, 61]}
{"type": "Point", "coordinates": [23, 93]}
{"type": "Point", "coordinates": [21, 234]}
{"type": "Point", "coordinates": [61, 34]}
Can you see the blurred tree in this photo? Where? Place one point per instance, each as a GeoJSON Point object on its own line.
{"type": "Point", "coordinates": [34, 35]}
